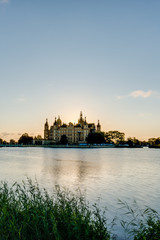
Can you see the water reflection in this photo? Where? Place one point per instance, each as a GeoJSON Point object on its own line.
{"type": "Point", "coordinates": [110, 174]}
{"type": "Point", "coordinates": [75, 167]}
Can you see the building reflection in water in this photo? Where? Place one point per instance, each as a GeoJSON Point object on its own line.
{"type": "Point", "coordinates": [72, 167]}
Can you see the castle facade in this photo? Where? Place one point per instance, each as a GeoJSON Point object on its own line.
{"type": "Point", "coordinates": [74, 133]}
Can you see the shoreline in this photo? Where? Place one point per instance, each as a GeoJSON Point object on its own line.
{"type": "Point", "coordinates": [69, 146]}
{"type": "Point", "coordinates": [59, 146]}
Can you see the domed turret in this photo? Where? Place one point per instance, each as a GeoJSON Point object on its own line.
{"type": "Point", "coordinates": [85, 122]}
{"type": "Point", "coordinates": [98, 127]}
{"type": "Point", "coordinates": [59, 122]}
{"type": "Point", "coordinates": [81, 120]}
{"type": "Point", "coordinates": [55, 122]}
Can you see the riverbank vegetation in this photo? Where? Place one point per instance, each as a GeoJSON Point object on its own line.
{"type": "Point", "coordinates": [139, 224]}
{"type": "Point", "coordinates": [28, 212]}
{"type": "Point", "coordinates": [115, 138]}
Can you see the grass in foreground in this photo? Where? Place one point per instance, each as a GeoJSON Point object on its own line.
{"type": "Point", "coordinates": [140, 224]}
{"type": "Point", "coordinates": [26, 212]}
{"type": "Point", "coordinates": [29, 213]}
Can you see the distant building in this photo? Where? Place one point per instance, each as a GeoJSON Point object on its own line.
{"type": "Point", "coordinates": [75, 133]}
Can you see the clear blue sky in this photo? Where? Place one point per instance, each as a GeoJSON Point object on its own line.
{"type": "Point", "coordinates": [60, 57]}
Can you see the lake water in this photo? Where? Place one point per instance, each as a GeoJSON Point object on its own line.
{"type": "Point", "coordinates": [108, 174]}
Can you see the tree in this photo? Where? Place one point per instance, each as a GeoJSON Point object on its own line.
{"type": "Point", "coordinates": [64, 139]}
{"type": "Point", "coordinates": [133, 142]}
{"type": "Point", "coordinates": [25, 139]}
{"type": "Point", "coordinates": [144, 143]}
{"type": "Point", "coordinates": [157, 142]}
{"type": "Point", "coordinates": [130, 142]}
{"type": "Point", "coordinates": [151, 141]}
{"type": "Point", "coordinates": [154, 141]}
{"type": "Point", "coordinates": [1, 141]}
{"type": "Point", "coordinates": [114, 136]}
{"type": "Point", "coordinates": [38, 137]}
{"type": "Point", "coordinates": [12, 142]}
{"type": "Point", "coordinates": [97, 138]}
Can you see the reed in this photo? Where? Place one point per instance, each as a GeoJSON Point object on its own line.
{"type": "Point", "coordinates": [28, 212]}
{"type": "Point", "coordinates": [139, 224]}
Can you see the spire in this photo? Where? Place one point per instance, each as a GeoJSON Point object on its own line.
{"type": "Point", "coordinates": [85, 122]}
{"type": "Point", "coordinates": [81, 120]}
{"type": "Point", "coordinates": [59, 122]}
{"type": "Point", "coordinates": [98, 127]}
{"type": "Point", "coordinates": [46, 126]}
{"type": "Point", "coordinates": [55, 121]}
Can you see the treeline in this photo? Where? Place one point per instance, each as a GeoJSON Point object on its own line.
{"type": "Point", "coordinates": [114, 137]}
{"type": "Point", "coordinates": [111, 137]}
{"type": "Point", "coordinates": [24, 139]}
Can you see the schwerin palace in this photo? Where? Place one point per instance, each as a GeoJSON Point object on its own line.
{"type": "Point", "coordinates": [75, 133]}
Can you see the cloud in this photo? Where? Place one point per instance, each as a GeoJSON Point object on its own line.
{"type": "Point", "coordinates": [6, 134]}
{"type": "Point", "coordinates": [9, 135]}
{"type": "Point", "coordinates": [21, 99]}
{"type": "Point", "coordinates": [144, 115]}
{"type": "Point", "coordinates": [4, 1]}
{"type": "Point", "coordinates": [121, 97]}
{"type": "Point", "coordinates": [138, 93]}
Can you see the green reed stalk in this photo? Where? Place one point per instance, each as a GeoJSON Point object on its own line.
{"type": "Point", "coordinates": [26, 212]}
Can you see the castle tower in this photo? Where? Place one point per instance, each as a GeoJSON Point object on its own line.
{"type": "Point", "coordinates": [46, 130]}
{"type": "Point", "coordinates": [55, 122]}
{"type": "Point", "coordinates": [59, 122]}
{"type": "Point", "coordinates": [98, 127]}
{"type": "Point", "coordinates": [85, 122]}
{"type": "Point", "coordinates": [81, 120]}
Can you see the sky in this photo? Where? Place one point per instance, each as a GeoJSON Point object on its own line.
{"type": "Point", "coordinates": [61, 57]}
